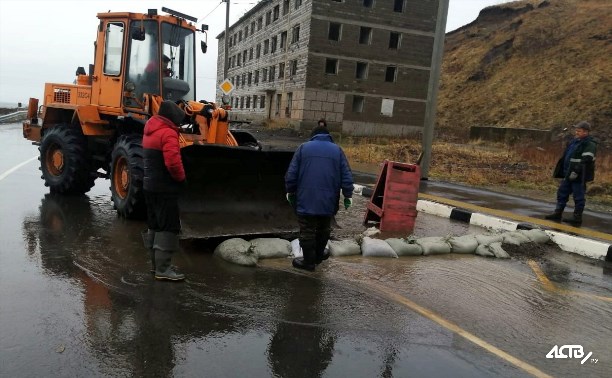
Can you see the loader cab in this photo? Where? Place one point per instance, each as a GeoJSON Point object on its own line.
{"type": "Point", "coordinates": [161, 60]}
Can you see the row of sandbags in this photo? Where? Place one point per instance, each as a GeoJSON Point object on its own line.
{"type": "Point", "coordinates": [243, 252]}
{"type": "Point", "coordinates": [489, 245]}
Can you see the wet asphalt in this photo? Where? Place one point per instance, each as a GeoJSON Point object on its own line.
{"type": "Point", "coordinates": [77, 299]}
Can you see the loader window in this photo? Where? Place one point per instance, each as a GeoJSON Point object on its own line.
{"type": "Point", "coordinates": [179, 44]}
{"type": "Point", "coordinates": [143, 67]}
{"type": "Point", "coordinates": [113, 48]}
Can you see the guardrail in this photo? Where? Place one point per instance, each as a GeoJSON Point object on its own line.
{"type": "Point", "coordinates": [16, 116]}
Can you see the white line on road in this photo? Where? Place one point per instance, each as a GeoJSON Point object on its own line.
{"type": "Point", "coordinates": [5, 174]}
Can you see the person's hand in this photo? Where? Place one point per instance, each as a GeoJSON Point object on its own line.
{"type": "Point", "coordinates": [572, 176]}
{"type": "Point", "coordinates": [348, 202]}
{"type": "Point", "coordinates": [291, 199]}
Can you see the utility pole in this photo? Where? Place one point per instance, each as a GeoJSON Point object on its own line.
{"type": "Point", "coordinates": [226, 49]}
{"type": "Point", "coordinates": [432, 92]}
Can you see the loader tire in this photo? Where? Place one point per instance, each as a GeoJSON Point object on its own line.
{"type": "Point", "coordinates": [63, 161]}
{"type": "Point", "coordinates": [127, 172]}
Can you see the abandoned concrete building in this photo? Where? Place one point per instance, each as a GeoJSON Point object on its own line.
{"type": "Point", "coordinates": [362, 65]}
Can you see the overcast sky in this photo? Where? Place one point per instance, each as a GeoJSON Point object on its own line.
{"type": "Point", "coordinates": [46, 40]}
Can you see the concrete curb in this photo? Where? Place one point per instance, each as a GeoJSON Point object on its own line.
{"type": "Point", "coordinates": [569, 243]}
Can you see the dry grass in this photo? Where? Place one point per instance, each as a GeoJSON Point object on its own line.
{"type": "Point", "coordinates": [526, 171]}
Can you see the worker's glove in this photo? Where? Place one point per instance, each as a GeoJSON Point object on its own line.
{"type": "Point", "coordinates": [572, 176]}
{"type": "Point", "coordinates": [291, 199]}
{"type": "Point", "coordinates": [348, 202]}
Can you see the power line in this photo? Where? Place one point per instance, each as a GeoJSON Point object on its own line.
{"type": "Point", "coordinates": [214, 9]}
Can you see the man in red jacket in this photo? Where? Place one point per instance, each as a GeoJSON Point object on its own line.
{"type": "Point", "coordinates": [164, 176]}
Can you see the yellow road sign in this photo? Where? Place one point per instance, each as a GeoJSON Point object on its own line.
{"type": "Point", "coordinates": [226, 87]}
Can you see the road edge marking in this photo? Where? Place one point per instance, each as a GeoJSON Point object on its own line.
{"type": "Point", "coordinates": [7, 173]}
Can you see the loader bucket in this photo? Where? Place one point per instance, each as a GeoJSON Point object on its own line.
{"type": "Point", "coordinates": [235, 191]}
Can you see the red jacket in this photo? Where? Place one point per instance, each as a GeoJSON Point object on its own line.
{"type": "Point", "coordinates": [163, 167]}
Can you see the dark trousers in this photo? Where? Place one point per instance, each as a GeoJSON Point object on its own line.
{"type": "Point", "coordinates": [314, 234]}
{"type": "Point", "coordinates": [577, 188]}
{"type": "Point", "coordinates": [163, 212]}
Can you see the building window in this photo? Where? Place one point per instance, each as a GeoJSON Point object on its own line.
{"type": "Point", "coordinates": [238, 59]}
{"type": "Point", "coordinates": [334, 31]}
{"type": "Point", "coordinates": [248, 102]}
{"type": "Point", "coordinates": [281, 70]}
{"type": "Point", "coordinates": [298, 3]}
{"type": "Point", "coordinates": [268, 18]}
{"type": "Point", "coordinates": [285, 7]}
{"type": "Point", "coordinates": [243, 80]}
{"type": "Point", "coordinates": [294, 66]}
{"type": "Point", "coordinates": [246, 31]}
{"type": "Point", "coordinates": [365, 35]}
{"type": "Point", "coordinates": [259, 23]}
{"type": "Point", "coordinates": [249, 77]}
{"type": "Point", "coordinates": [391, 74]}
{"type": "Point", "coordinates": [279, 98]}
{"type": "Point", "coordinates": [331, 66]}
{"type": "Point", "coordinates": [295, 34]}
{"type": "Point", "coordinates": [394, 40]}
{"type": "Point", "coordinates": [251, 53]}
{"type": "Point", "coordinates": [289, 104]}
{"type": "Point", "coordinates": [361, 71]}
{"type": "Point", "coordinates": [231, 42]}
{"type": "Point", "coordinates": [241, 102]}
{"type": "Point", "coordinates": [338, 1]}
{"type": "Point", "coordinates": [254, 101]}
{"type": "Point", "coordinates": [398, 6]}
{"type": "Point", "coordinates": [272, 72]}
{"type": "Point", "coordinates": [262, 102]}
{"type": "Point", "coordinates": [264, 75]}
{"type": "Point", "coordinates": [244, 56]}
{"type": "Point", "coordinates": [358, 104]}
{"type": "Point", "coordinates": [237, 81]}
{"type": "Point", "coordinates": [240, 36]}
{"type": "Point", "coordinates": [274, 44]}
{"type": "Point", "coordinates": [252, 27]}
{"type": "Point", "coordinates": [386, 108]}
{"type": "Point", "coordinates": [368, 3]}
{"type": "Point", "coordinates": [276, 13]}
{"type": "Point", "coordinates": [256, 80]}
{"type": "Point", "coordinates": [283, 40]}
{"type": "Point", "coordinates": [258, 51]}
{"type": "Point", "coordinates": [266, 46]}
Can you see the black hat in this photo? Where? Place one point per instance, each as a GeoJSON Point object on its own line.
{"type": "Point", "coordinates": [583, 125]}
{"type": "Point", "coordinates": [171, 111]}
{"type": "Point", "coordinates": [319, 130]}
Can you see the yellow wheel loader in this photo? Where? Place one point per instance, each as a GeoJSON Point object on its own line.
{"type": "Point", "coordinates": [93, 128]}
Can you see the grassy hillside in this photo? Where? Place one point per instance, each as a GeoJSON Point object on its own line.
{"type": "Point", "coordinates": [530, 64]}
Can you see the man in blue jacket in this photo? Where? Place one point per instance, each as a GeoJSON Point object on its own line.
{"type": "Point", "coordinates": [576, 167]}
{"type": "Point", "coordinates": [316, 175]}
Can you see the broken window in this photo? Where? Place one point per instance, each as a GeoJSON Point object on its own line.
{"type": "Point", "coordinates": [331, 66]}
{"type": "Point", "coordinates": [394, 40]}
{"type": "Point", "coordinates": [334, 31]}
{"type": "Point", "coordinates": [361, 71]}
{"type": "Point", "coordinates": [391, 74]}
{"type": "Point", "coordinates": [358, 104]}
{"type": "Point", "coordinates": [365, 35]}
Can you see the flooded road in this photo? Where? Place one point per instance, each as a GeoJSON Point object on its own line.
{"type": "Point", "coordinates": [77, 299]}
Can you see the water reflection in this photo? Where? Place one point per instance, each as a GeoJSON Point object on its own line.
{"type": "Point", "coordinates": [301, 346]}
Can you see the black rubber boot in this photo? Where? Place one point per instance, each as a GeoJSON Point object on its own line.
{"type": "Point", "coordinates": [575, 219]}
{"type": "Point", "coordinates": [165, 244]}
{"type": "Point", "coordinates": [148, 237]}
{"type": "Point", "coordinates": [556, 215]}
{"type": "Point", "coordinates": [299, 263]}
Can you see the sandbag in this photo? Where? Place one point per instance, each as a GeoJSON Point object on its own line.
{"type": "Point", "coordinates": [404, 248]}
{"type": "Point", "coordinates": [484, 250]}
{"type": "Point", "coordinates": [434, 245]}
{"type": "Point", "coordinates": [371, 231]}
{"type": "Point", "coordinates": [515, 238]}
{"type": "Point", "coordinates": [463, 244]}
{"type": "Point", "coordinates": [267, 248]}
{"type": "Point", "coordinates": [489, 238]}
{"type": "Point", "coordinates": [237, 251]}
{"type": "Point", "coordinates": [344, 248]}
{"type": "Point", "coordinates": [536, 235]}
{"type": "Point", "coordinates": [376, 248]}
{"type": "Point", "coordinates": [296, 250]}
{"type": "Point", "coordinates": [492, 250]}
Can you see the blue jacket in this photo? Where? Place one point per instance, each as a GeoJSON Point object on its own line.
{"type": "Point", "coordinates": [317, 173]}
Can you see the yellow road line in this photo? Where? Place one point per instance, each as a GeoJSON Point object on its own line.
{"type": "Point", "coordinates": [518, 217]}
{"type": "Point", "coordinates": [548, 285]}
{"type": "Point", "coordinates": [458, 330]}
